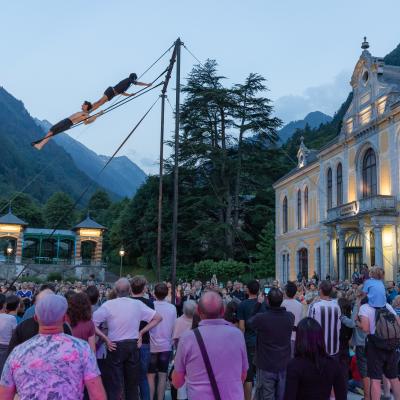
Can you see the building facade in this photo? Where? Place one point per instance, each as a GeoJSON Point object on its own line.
{"type": "Point", "coordinates": [19, 244]}
{"type": "Point", "coordinates": [339, 208]}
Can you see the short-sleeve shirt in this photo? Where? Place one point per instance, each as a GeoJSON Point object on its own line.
{"type": "Point", "coordinates": [245, 311]}
{"type": "Point", "coordinates": [376, 292]}
{"type": "Point", "coordinates": [327, 313]}
{"type": "Point", "coordinates": [123, 316]}
{"type": "Point", "coordinates": [54, 366]}
{"type": "Point", "coordinates": [296, 308]}
{"type": "Point", "coordinates": [7, 324]}
{"type": "Point", "coordinates": [24, 294]}
{"type": "Point", "coordinates": [369, 312]}
{"type": "Point", "coordinates": [161, 334]}
{"type": "Point", "coordinates": [227, 353]}
{"type": "Point", "coordinates": [83, 330]}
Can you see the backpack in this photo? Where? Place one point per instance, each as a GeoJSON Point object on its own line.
{"type": "Point", "coordinates": [387, 331]}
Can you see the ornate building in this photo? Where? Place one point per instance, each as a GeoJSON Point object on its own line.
{"type": "Point", "coordinates": [339, 208]}
{"type": "Point", "coordinates": [83, 245]}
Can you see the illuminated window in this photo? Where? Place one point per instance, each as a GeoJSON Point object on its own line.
{"type": "Point", "coordinates": [339, 185]}
{"type": "Point", "coordinates": [306, 206]}
{"type": "Point", "coordinates": [365, 116]}
{"type": "Point", "coordinates": [329, 187]}
{"type": "Point", "coordinates": [370, 187]}
{"type": "Point", "coordinates": [299, 209]}
{"type": "Point", "coordinates": [349, 125]}
{"type": "Point", "coordinates": [381, 104]}
{"type": "Point", "coordinates": [284, 215]}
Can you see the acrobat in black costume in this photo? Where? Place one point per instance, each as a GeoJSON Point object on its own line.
{"type": "Point", "coordinates": [119, 88]}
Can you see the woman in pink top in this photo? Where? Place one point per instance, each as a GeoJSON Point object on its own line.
{"type": "Point", "coordinates": [80, 318]}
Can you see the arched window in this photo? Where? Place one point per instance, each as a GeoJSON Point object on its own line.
{"type": "Point", "coordinates": [370, 187]}
{"type": "Point", "coordinates": [329, 187]}
{"type": "Point", "coordinates": [302, 255]}
{"type": "Point", "coordinates": [285, 267]}
{"type": "Point", "coordinates": [306, 206]}
{"type": "Point", "coordinates": [284, 215]}
{"type": "Point", "coordinates": [299, 209]}
{"type": "Point", "coordinates": [339, 185]}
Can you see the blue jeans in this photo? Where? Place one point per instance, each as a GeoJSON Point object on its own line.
{"type": "Point", "coordinates": [144, 366]}
{"type": "Point", "coordinates": [270, 385]}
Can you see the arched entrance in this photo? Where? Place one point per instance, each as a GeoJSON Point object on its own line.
{"type": "Point", "coordinates": [7, 243]}
{"type": "Point", "coordinates": [302, 256]}
{"type": "Point", "coordinates": [353, 254]}
{"type": "Point", "coordinates": [88, 248]}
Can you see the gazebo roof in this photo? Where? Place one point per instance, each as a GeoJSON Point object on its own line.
{"type": "Point", "coordinates": [11, 219]}
{"type": "Point", "coordinates": [89, 223]}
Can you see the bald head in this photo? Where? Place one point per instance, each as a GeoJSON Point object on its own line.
{"type": "Point", "coordinates": [122, 287]}
{"type": "Point", "coordinates": [43, 294]}
{"type": "Point", "coordinates": [211, 306]}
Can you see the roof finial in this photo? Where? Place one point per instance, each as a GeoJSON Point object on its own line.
{"type": "Point", "coordinates": [9, 208]}
{"type": "Point", "coordinates": [365, 44]}
{"type": "Point", "coordinates": [302, 139]}
{"type": "Point", "coordinates": [88, 214]}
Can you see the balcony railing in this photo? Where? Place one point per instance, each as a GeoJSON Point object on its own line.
{"type": "Point", "coordinates": [374, 204]}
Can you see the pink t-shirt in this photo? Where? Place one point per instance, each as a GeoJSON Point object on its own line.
{"type": "Point", "coordinates": [51, 367]}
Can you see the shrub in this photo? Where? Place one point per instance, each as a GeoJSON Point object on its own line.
{"type": "Point", "coordinates": [54, 276]}
{"type": "Point", "coordinates": [224, 270]}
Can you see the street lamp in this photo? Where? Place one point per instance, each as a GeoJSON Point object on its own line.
{"type": "Point", "coordinates": [121, 254]}
{"type": "Point", "coordinates": [9, 251]}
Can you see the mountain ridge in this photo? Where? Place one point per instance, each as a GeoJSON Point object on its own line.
{"type": "Point", "coordinates": [313, 119]}
{"type": "Point", "coordinates": [122, 175]}
{"type": "Point", "coordinates": [22, 168]}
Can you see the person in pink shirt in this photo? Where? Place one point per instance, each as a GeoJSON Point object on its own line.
{"type": "Point", "coordinates": [51, 365]}
{"type": "Point", "coordinates": [226, 350]}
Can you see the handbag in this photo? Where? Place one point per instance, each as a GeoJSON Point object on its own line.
{"type": "Point", "coordinates": [207, 363]}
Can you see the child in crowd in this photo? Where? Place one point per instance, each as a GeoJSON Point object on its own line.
{"type": "Point", "coordinates": [375, 288]}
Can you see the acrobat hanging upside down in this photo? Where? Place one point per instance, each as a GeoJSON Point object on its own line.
{"type": "Point", "coordinates": [87, 107]}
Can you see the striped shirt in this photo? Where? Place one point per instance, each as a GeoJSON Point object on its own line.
{"type": "Point", "coordinates": [327, 313]}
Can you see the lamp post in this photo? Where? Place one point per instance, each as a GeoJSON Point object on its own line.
{"type": "Point", "coordinates": [121, 254]}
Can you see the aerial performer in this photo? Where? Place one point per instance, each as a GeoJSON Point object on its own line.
{"type": "Point", "coordinates": [119, 89]}
{"type": "Point", "coordinates": [87, 107]}
{"type": "Point", "coordinates": [67, 123]}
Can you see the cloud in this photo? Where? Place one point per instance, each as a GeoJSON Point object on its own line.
{"type": "Point", "coordinates": [326, 98]}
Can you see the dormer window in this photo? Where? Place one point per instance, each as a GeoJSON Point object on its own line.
{"type": "Point", "coordinates": [365, 77]}
{"type": "Point", "coordinates": [302, 154]}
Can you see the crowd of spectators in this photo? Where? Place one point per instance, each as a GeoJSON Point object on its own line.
{"type": "Point", "coordinates": [306, 339]}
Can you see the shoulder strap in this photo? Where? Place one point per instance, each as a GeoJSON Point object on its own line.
{"type": "Point", "coordinates": [207, 363]}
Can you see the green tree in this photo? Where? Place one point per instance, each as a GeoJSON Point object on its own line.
{"type": "Point", "coordinates": [58, 211]}
{"type": "Point", "coordinates": [98, 206]}
{"type": "Point", "coordinates": [265, 256]}
{"type": "Point", "coordinates": [24, 207]}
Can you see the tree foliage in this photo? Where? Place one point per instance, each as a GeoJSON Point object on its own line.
{"type": "Point", "coordinates": [58, 211]}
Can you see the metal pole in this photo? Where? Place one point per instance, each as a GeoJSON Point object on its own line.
{"type": "Point", "coordinates": [176, 169]}
{"type": "Point", "coordinates": [160, 189]}
{"type": "Point", "coordinates": [120, 268]}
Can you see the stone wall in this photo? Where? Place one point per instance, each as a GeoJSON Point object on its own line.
{"type": "Point", "coordinates": [41, 271]}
